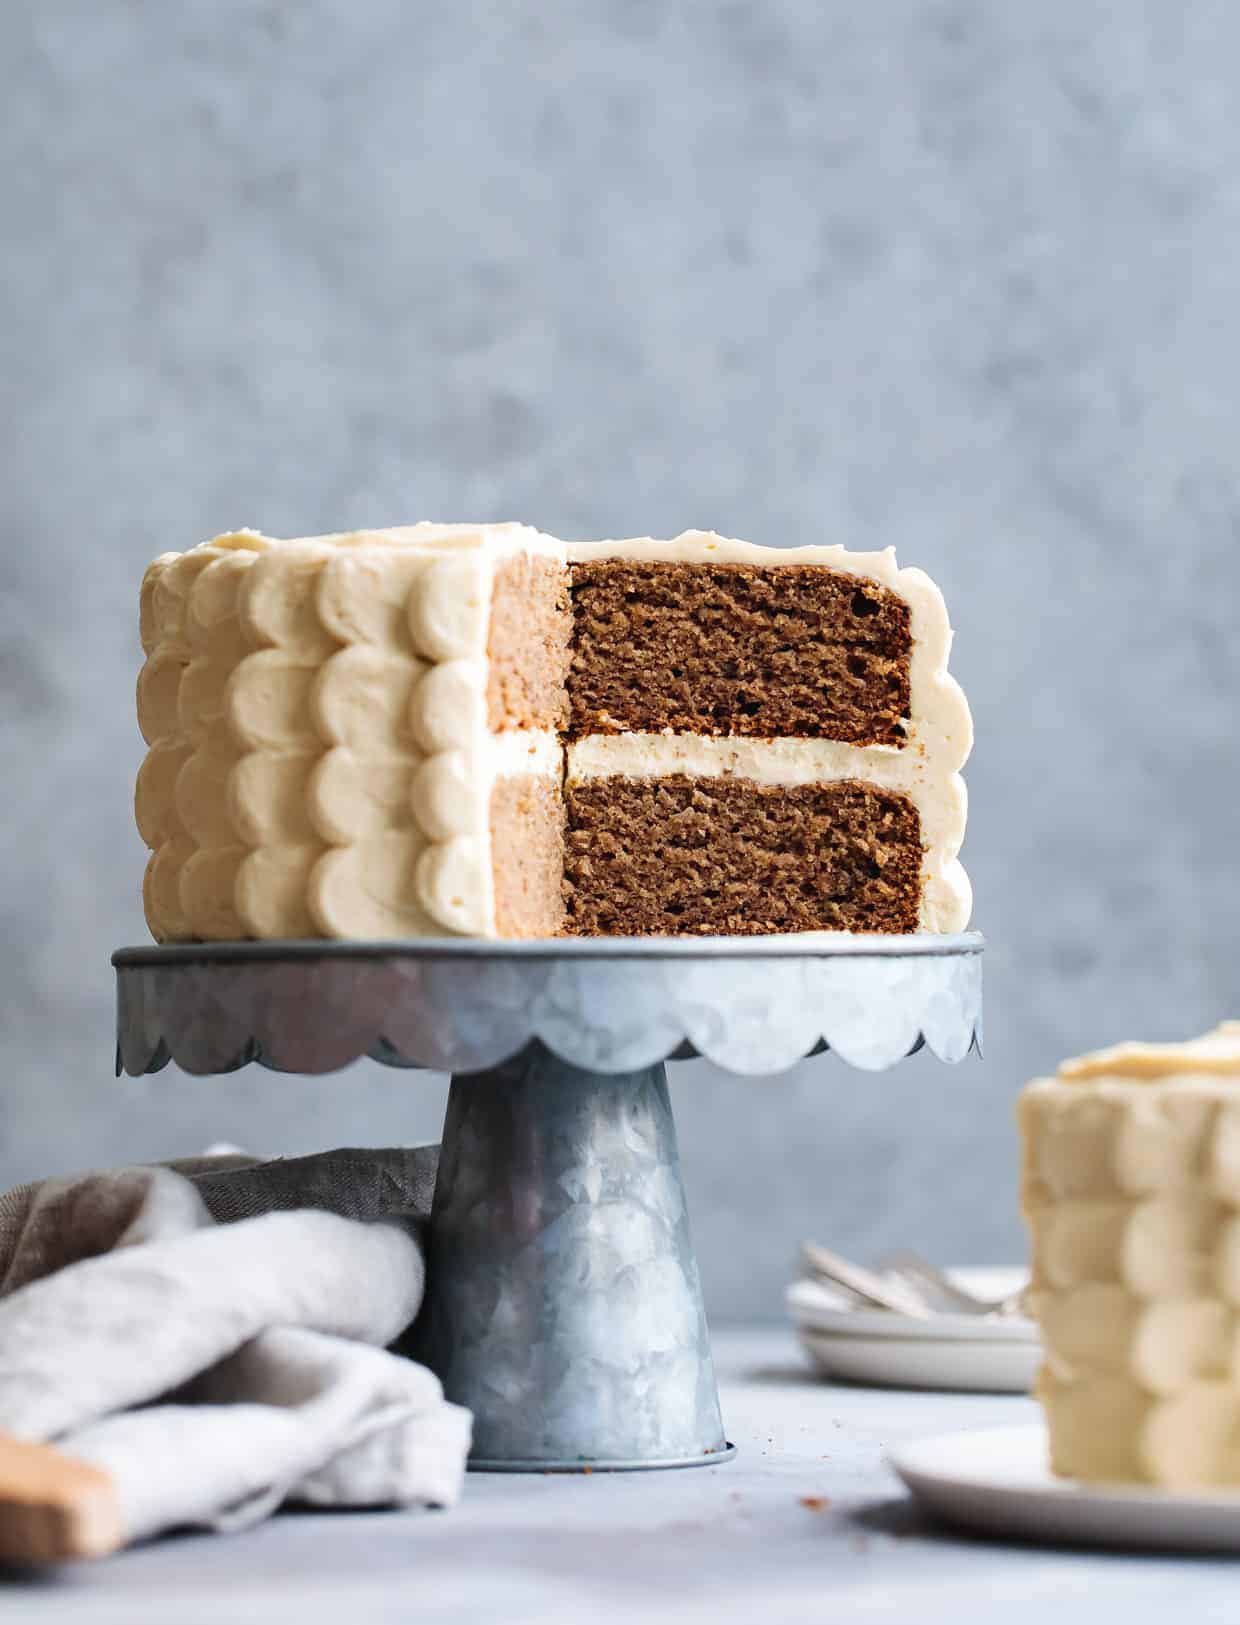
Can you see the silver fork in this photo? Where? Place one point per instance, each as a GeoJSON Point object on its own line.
{"type": "Point", "coordinates": [925, 1278]}
{"type": "Point", "coordinates": [884, 1292]}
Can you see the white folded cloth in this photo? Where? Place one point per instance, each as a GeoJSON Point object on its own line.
{"type": "Point", "coordinates": [213, 1335]}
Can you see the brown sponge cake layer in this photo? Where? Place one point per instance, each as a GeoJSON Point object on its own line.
{"type": "Point", "coordinates": [527, 863]}
{"type": "Point", "coordinates": [727, 856]}
{"type": "Point", "coordinates": [528, 644]}
{"type": "Point", "coordinates": [737, 649]}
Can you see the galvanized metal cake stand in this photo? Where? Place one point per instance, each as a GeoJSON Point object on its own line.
{"type": "Point", "coordinates": [563, 1303]}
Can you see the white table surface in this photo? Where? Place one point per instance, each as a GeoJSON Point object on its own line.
{"type": "Point", "coordinates": [734, 1542]}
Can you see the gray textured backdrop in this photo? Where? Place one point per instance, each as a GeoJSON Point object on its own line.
{"type": "Point", "coordinates": [960, 277]}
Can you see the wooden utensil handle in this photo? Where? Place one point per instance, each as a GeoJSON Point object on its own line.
{"type": "Point", "coordinates": [54, 1508]}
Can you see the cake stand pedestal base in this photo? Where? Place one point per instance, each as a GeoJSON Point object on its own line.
{"type": "Point", "coordinates": [563, 1302]}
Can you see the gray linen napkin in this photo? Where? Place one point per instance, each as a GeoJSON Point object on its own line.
{"type": "Point", "coordinates": [213, 1335]}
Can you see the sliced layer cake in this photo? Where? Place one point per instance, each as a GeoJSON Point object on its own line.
{"type": "Point", "coordinates": [481, 731]}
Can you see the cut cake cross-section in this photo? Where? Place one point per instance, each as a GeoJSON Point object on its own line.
{"type": "Point", "coordinates": [761, 740]}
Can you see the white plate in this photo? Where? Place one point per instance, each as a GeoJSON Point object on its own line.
{"type": "Point", "coordinates": [964, 1365]}
{"type": "Point", "coordinates": [817, 1308]}
{"type": "Point", "coordinates": [998, 1481]}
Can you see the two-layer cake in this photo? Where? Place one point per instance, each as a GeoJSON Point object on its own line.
{"type": "Point", "coordinates": [481, 730]}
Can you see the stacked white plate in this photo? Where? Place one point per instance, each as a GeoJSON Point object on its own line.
{"type": "Point", "coordinates": [966, 1353]}
{"type": "Point", "coordinates": [999, 1481]}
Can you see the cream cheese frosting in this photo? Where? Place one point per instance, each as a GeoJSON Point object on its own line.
{"type": "Point", "coordinates": [1131, 1189]}
{"type": "Point", "coordinates": [320, 761]}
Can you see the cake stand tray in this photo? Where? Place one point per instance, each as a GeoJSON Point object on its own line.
{"type": "Point", "coordinates": [563, 1305]}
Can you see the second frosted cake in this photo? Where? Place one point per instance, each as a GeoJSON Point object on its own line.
{"type": "Point", "coordinates": [1131, 1189]}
